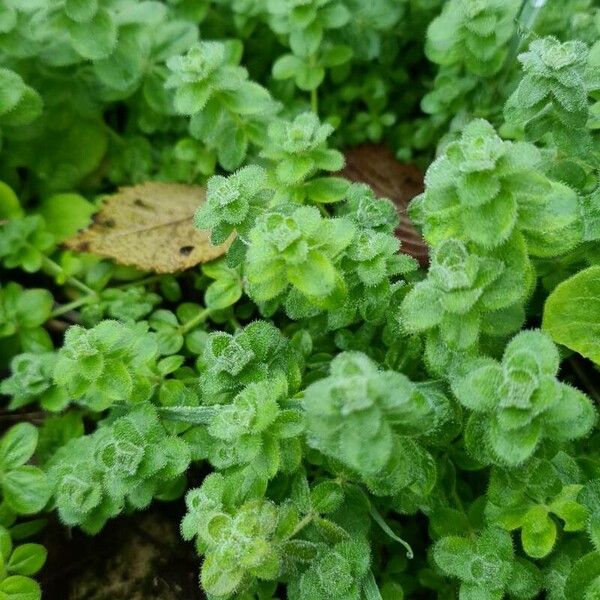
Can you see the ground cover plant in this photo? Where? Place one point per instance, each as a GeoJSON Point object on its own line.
{"type": "Point", "coordinates": [246, 335]}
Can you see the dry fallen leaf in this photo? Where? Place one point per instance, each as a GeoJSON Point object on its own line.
{"type": "Point", "coordinates": [149, 226]}
{"type": "Point", "coordinates": [376, 166]}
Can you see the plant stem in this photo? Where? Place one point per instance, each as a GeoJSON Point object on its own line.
{"type": "Point", "coordinates": [526, 19]}
{"type": "Point", "coordinates": [235, 324]}
{"type": "Point", "coordinates": [199, 318]}
{"type": "Point", "coordinates": [314, 98]}
{"type": "Point", "coordinates": [302, 524]}
{"type": "Point", "coordinates": [56, 269]}
{"type": "Point", "coordinates": [381, 522]}
{"type": "Point", "coordinates": [93, 295]}
{"type": "Point", "coordinates": [65, 308]}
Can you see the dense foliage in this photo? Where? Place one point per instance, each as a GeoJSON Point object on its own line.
{"type": "Point", "coordinates": [363, 427]}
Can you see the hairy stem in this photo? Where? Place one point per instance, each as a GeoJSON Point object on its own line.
{"type": "Point", "coordinates": [307, 520]}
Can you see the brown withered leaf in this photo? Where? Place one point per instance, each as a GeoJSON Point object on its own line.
{"type": "Point", "coordinates": [377, 166]}
{"type": "Point", "coordinates": [149, 226]}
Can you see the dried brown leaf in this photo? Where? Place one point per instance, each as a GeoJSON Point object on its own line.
{"type": "Point", "coordinates": [149, 226]}
{"type": "Point", "coordinates": [377, 166]}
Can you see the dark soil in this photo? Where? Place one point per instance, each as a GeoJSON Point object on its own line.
{"type": "Point", "coordinates": [136, 557]}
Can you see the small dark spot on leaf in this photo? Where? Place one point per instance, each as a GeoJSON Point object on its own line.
{"type": "Point", "coordinates": [186, 250]}
{"type": "Point", "coordinates": [83, 246]}
{"type": "Point", "coordinates": [110, 223]}
{"type": "Point", "coordinates": [139, 202]}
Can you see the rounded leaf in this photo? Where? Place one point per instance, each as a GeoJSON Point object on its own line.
{"type": "Point", "coordinates": [26, 489]}
{"type": "Point", "coordinates": [516, 445]}
{"type": "Point", "coordinates": [17, 445]}
{"type": "Point", "coordinates": [17, 587]}
{"type": "Point", "coordinates": [94, 39]}
{"type": "Point", "coordinates": [27, 559]}
{"type": "Point", "coordinates": [572, 313]}
{"type": "Point", "coordinates": [538, 533]}
{"type": "Point", "coordinates": [478, 389]}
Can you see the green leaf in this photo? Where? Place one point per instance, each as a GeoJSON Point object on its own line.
{"type": "Point", "coordinates": [336, 55]}
{"type": "Point", "coordinates": [233, 149]}
{"type": "Point", "coordinates": [305, 41]}
{"type": "Point", "coordinates": [538, 533]}
{"type": "Point", "coordinates": [478, 390]}
{"type": "Point", "coordinates": [34, 307]}
{"type": "Point", "coordinates": [35, 340]}
{"type": "Point", "coordinates": [223, 293]}
{"type": "Point", "coordinates": [192, 97]}
{"type": "Point", "coordinates": [309, 77]}
{"type": "Point", "coordinates": [8, 18]}
{"type": "Point", "coordinates": [460, 332]}
{"type": "Point", "coordinates": [326, 496]}
{"type": "Point", "coordinates": [453, 555]}
{"type": "Point", "coordinates": [250, 99]}
{"type": "Point", "coordinates": [17, 445]}
{"type": "Point", "coordinates": [218, 578]}
{"type": "Point", "coordinates": [27, 110]}
{"type": "Point", "coordinates": [81, 10]}
{"type": "Point", "coordinates": [572, 313]}
{"type": "Point", "coordinates": [584, 572]}
{"type": "Point", "coordinates": [421, 308]}
{"type": "Point", "coordinates": [566, 507]}
{"type": "Point", "coordinates": [300, 550]}
{"type": "Point", "coordinates": [331, 531]}
{"type": "Point", "coordinates": [526, 580]}
{"type": "Point", "coordinates": [335, 15]}
{"type": "Point", "coordinates": [27, 559]}
{"type": "Point", "coordinates": [17, 587]}
{"type": "Point", "coordinates": [325, 190]}
{"type": "Point", "coordinates": [514, 446]}
{"type": "Point", "coordinates": [314, 277]}
{"type": "Point", "coordinates": [287, 66]}
{"type": "Point", "coordinates": [63, 165]}
{"type": "Point", "coordinates": [96, 38]}
{"type": "Point", "coordinates": [26, 489]}
{"type": "Point", "coordinates": [27, 529]}
{"type": "Point", "coordinates": [12, 88]}
{"type": "Point", "coordinates": [65, 214]}
{"type": "Point", "coordinates": [10, 208]}
{"type": "Point", "coordinates": [5, 544]}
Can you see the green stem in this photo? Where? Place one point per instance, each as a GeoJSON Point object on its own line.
{"type": "Point", "coordinates": [235, 324]}
{"type": "Point", "coordinates": [381, 522]}
{"type": "Point", "coordinates": [302, 524]}
{"type": "Point", "coordinates": [93, 295]}
{"type": "Point", "coordinates": [529, 14]}
{"type": "Point", "coordinates": [314, 98]}
{"type": "Point", "coordinates": [525, 22]}
{"type": "Point", "coordinates": [199, 318]}
{"type": "Point", "coordinates": [323, 211]}
{"type": "Point", "coordinates": [56, 269]}
{"type": "Point", "coordinates": [65, 308]}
